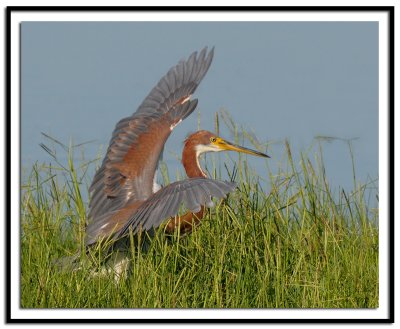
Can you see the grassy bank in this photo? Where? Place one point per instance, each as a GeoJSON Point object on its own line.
{"type": "Point", "coordinates": [296, 244]}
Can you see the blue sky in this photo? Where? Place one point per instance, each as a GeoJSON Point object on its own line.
{"type": "Point", "coordinates": [283, 80]}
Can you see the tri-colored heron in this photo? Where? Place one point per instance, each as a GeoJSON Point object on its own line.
{"type": "Point", "coordinates": [124, 194]}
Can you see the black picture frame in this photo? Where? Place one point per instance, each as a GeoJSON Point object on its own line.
{"type": "Point", "coordinates": [11, 10]}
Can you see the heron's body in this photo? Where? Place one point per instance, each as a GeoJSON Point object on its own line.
{"type": "Point", "coordinates": [122, 195]}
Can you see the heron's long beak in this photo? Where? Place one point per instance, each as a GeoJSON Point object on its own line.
{"type": "Point", "coordinates": [227, 146]}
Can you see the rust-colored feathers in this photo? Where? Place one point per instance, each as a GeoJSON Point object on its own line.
{"type": "Point", "coordinates": [128, 169]}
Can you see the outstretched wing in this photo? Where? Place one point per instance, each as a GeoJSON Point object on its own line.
{"type": "Point", "coordinates": [192, 193]}
{"type": "Point", "coordinates": [128, 169]}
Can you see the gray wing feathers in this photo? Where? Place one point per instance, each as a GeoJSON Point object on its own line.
{"type": "Point", "coordinates": [180, 81]}
{"type": "Point", "coordinates": [106, 191]}
{"type": "Point", "coordinates": [192, 193]}
{"type": "Point", "coordinates": [181, 112]}
{"type": "Point", "coordinates": [167, 97]}
{"type": "Point", "coordinates": [92, 231]}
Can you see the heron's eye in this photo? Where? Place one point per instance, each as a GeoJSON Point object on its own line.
{"type": "Point", "coordinates": [213, 139]}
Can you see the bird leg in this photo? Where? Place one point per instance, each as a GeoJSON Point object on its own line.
{"type": "Point", "coordinates": [185, 223]}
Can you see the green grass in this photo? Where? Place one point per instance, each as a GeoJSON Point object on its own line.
{"type": "Point", "coordinates": [295, 244]}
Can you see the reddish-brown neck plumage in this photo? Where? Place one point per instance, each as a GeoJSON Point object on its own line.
{"type": "Point", "coordinates": [190, 161]}
{"type": "Point", "coordinates": [189, 155]}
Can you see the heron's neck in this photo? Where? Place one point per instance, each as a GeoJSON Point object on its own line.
{"type": "Point", "coordinates": [190, 161]}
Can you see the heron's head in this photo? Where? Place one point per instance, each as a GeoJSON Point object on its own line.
{"type": "Point", "coordinates": [205, 141]}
